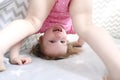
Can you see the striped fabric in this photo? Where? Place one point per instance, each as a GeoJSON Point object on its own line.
{"type": "Point", "coordinates": [11, 10]}
{"type": "Point", "coordinates": [106, 13]}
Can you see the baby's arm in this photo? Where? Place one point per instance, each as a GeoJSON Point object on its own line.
{"type": "Point", "coordinates": [15, 57]}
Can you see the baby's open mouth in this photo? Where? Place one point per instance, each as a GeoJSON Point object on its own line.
{"type": "Point", "coordinates": [57, 29]}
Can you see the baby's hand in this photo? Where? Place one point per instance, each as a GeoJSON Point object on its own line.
{"type": "Point", "coordinates": [21, 60]}
{"type": "Point", "coordinates": [78, 43]}
{"type": "Point", "coordinates": [105, 78]}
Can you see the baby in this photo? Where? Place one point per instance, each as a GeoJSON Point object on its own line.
{"type": "Point", "coordinates": [54, 45]}
{"type": "Point", "coordinates": [77, 12]}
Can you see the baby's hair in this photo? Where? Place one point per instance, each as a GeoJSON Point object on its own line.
{"type": "Point", "coordinates": [37, 50]}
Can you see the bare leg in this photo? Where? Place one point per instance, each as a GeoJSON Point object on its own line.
{"type": "Point", "coordinates": [97, 38]}
{"type": "Point", "coordinates": [19, 29]}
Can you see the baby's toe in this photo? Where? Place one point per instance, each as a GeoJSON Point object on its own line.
{"type": "Point", "coordinates": [2, 67]}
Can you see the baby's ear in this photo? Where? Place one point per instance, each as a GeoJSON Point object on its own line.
{"type": "Point", "coordinates": [40, 39]}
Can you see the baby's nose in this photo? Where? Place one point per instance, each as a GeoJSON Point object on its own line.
{"type": "Point", "coordinates": [58, 35]}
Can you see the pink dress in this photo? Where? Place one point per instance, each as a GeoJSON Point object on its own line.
{"type": "Point", "coordinates": [59, 15]}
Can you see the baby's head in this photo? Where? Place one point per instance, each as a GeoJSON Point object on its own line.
{"type": "Point", "coordinates": [53, 44]}
{"type": "Point", "coordinates": [54, 41]}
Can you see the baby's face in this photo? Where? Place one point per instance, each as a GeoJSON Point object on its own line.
{"type": "Point", "coordinates": [55, 41]}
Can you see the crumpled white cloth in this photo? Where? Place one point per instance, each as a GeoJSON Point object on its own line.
{"type": "Point", "coordinates": [83, 66]}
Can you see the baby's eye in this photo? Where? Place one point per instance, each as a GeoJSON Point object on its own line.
{"type": "Point", "coordinates": [52, 41]}
{"type": "Point", "coordinates": [62, 41]}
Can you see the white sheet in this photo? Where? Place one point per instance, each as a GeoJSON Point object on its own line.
{"type": "Point", "coordinates": [84, 66]}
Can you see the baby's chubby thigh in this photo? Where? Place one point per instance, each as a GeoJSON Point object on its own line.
{"type": "Point", "coordinates": [38, 11]}
{"type": "Point", "coordinates": [80, 12]}
{"type": "Point", "coordinates": [80, 6]}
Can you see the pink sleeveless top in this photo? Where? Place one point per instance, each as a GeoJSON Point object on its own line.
{"type": "Point", "coordinates": [59, 15]}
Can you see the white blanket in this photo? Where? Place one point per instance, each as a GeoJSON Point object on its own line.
{"type": "Point", "coordinates": [84, 66]}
